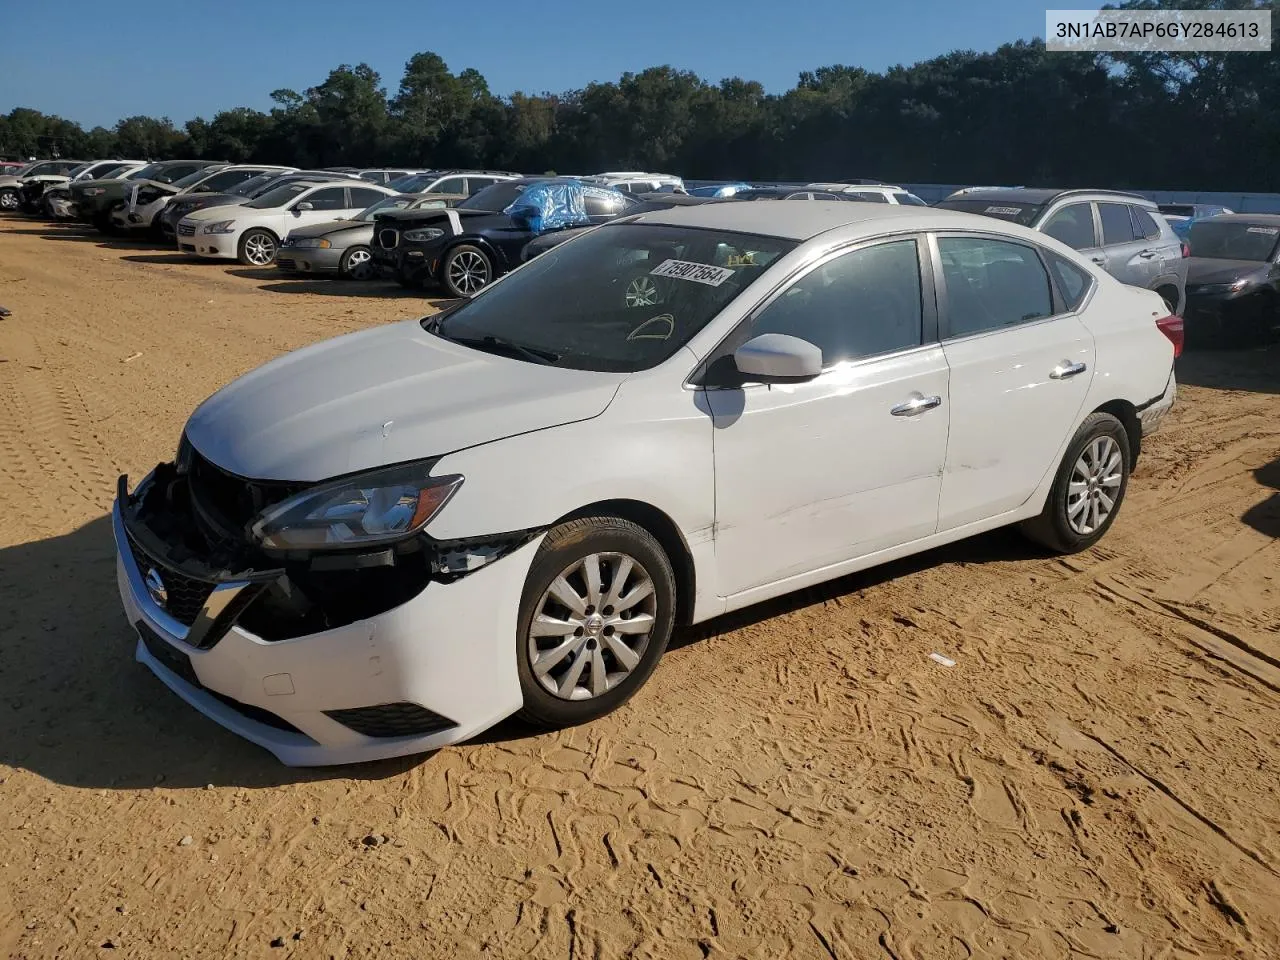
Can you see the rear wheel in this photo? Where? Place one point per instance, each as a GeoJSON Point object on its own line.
{"type": "Point", "coordinates": [258, 248]}
{"type": "Point", "coordinates": [596, 615]}
{"type": "Point", "coordinates": [1088, 489]}
{"type": "Point", "coordinates": [357, 264]}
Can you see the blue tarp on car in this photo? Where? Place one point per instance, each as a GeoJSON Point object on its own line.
{"type": "Point", "coordinates": [554, 206]}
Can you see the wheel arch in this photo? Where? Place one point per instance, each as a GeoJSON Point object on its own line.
{"type": "Point", "coordinates": [1127, 414]}
{"type": "Point", "coordinates": [664, 530]}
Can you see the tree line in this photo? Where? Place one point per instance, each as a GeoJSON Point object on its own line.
{"type": "Point", "coordinates": [1018, 115]}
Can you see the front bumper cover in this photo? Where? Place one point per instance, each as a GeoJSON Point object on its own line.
{"type": "Point", "coordinates": [451, 650]}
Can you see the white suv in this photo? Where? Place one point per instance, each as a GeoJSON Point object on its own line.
{"type": "Point", "coordinates": [637, 181]}
{"type": "Point", "coordinates": [873, 193]}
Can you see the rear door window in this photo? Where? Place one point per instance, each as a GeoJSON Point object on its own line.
{"type": "Point", "coordinates": [362, 197]}
{"type": "Point", "coordinates": [1145, 224]}
{"type": "Point", "coordinates": [1117, 225]}
{"type": "Point", "coordinates": [332, 198]}
{"type": "Point", "coordinates": [992, 284]}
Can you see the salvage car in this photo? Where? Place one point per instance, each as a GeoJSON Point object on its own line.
{"type": "Point", "coordinates": [33, 189]}
{"type": "Point", "coordinates": [56, 200]}
{"type": "Point", "coordinates": [468, 247]}
{"type": "Point", "coordinates": [148, 199]}
{"type": "Point", "coordinates": [388, 542]}
{"type": "Point", "coordinates": [251, 189]}
{"type": "Point", "coordinates": [95, 199]}
{"type": "Point", "coordinates": [341, 248]}
{"type": "Point", "coordinates": [1124, 233]}
{"type": "Point", "coordinates": [42, 171]}
{"type": "Point", "coordinates": [1233, 279]}
{"type": "Point", "coordinates": [251, 232]}
{"type": "Point", "coordinates": [649, 202]}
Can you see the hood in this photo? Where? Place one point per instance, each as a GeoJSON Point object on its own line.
{"type": "Point", "coordinates": [215, 211]}
{"type": "Point", "coordinates": [383, 396]}
{"type": "Point", "coordinates": [330, 228]}
{"type": "Point", "coordinates": [434, 215]}
{"type": "Point", "coordinates": [114, 181]}
{"type": "Point", "coordinates": [1208, 270]}
{"type": "Point", "coordinates": [210, 199]}
{"type": "Point", "coordinates": [9, 180]}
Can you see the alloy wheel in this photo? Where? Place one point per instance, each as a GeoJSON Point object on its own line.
{"type": "Point", "coordinates": [642, 292]}
{"type": "Point", "coordinates": [1094, 485]}
{"type": "Point", "coordinates": [468, 272]}
{"type": "Point", "coordinates": [360, 265]}
{"type": "Point", "coordinates": [592, 626]}
{"type": "Point", "coordinates": [8, 200]}
{"type": "Point", "coordinates": [260, 249]}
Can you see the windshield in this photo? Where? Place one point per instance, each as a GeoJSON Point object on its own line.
{"type": "Point", "coordinates": [382, 206]}
{"type": "Point", "coordinates": [495, 198]}
{"type": "Point", "coordinates": [43, 169]}
{"type": "Point", "coordinates": [414, 183]}
{"type": "Point", "coordinates": [145, 173]}
{"type": "Point", "coordinates": [76, 171]}
{"type": "Point", "coordinates": [279, 196]}
{"type": "Point", "coordinates": [1177, 210]}
{"type": "Point", "coordinates": [191, 179]}
{"type": "Point", "coordinates": [909, 200]}
{"type": "Point", "coordinates": [1012, 210]}
{"type": "Point", "coordinates": [620, 298]}
{"type": "Point", "coordinates": [1233, 241]}
{"type": "Point", "coordinates": [109, 171]}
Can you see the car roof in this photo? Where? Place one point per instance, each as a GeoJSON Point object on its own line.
{"type": "Point", "coordinates": [1269, 219]}
{"type": "Point", "coordinates": [805, 219]}
{"type": "Point", "coordinates": [1043, 194]}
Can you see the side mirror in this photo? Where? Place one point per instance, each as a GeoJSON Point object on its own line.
{"type": "Point", "coordinates": [304, 205]}
{"type": "Point", "coordinates": [778, 358]}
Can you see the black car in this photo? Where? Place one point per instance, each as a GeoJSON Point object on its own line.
{"type": "Point", "coordinates": [465, 248]}
{"type": "Point", "coordinates": [1233, 279]}
{"type": "Point", "coordinates": [649, 202]}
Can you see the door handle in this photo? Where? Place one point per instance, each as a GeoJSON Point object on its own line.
{"type": "Point", "coordinates": [1065, 370]}
{"type": "Point", "coordinates": [916, 405]}
{"type": "Point", "coordinates": [1100, 261]}
{"type": "Point", "coordinates": [1146, 254]}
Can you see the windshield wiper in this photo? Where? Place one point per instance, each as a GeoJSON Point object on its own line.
{"type": "Point", "coordinates": [493, 344]}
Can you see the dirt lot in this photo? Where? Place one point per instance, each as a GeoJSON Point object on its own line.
{"type": "Point", "coordinates": [1098, 776]}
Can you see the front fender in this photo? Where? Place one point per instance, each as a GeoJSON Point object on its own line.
{"type": "Point", "coordinates": [651, 446]}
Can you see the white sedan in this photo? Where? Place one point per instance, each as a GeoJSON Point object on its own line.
{"type": "Point", "coordinates": [252, 232]}
{"type": "Point", "coordinates": [390, 541]}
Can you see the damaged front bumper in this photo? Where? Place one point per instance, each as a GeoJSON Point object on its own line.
{"type": "Point", "coordinates": [436, 669]}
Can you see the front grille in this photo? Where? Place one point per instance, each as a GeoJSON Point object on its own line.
{"type": "Point", "coordinates": [235, 501]}
{"type": "Point", "coordinates": [285, 263]}
{"type": "Point", "coordinates": [186, 230]}
{"type": "Point", "coordinates": [186, 595]}
{"type": "Point", "coordinates": [388, 238]}
{"type": "Point", "coordinates": [391, 720]}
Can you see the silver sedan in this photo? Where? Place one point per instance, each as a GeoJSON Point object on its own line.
{"type": "Point", "coordinates": [341, 247]}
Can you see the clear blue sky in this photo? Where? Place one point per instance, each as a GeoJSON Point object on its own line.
{"type": "Point", "coordinates": [96, 63]}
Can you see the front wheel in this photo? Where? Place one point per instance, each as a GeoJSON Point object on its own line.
{"type": "Point", "coordinates": [357, 264]}
{"type": "Point", "coordinates": [257, 248]}
{"type": "Point", "coordinates": [596, 615]}
{"type": "Point", "coordinates": [1088, 490]}
{"type": "Point", "coordinates": [9, 200]}
{"type": "Point", "coordinates": [466, 271]}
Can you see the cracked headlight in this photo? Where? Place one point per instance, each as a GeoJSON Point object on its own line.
{"type": "Point", "coordinates": [372, 509]}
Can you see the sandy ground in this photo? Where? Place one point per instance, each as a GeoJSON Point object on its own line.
{"type": "Point", "coordinates": [1096, 777]}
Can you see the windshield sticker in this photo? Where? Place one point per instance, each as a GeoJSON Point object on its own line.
{"type": "Point", "coordinates": [1006, 211]}
{"type": "Point", "coordinates": [747, 259]}
{"type": "Point", "coordinates": [1269, 231]}
{"type": "Point", "coordinates": [697, 272]}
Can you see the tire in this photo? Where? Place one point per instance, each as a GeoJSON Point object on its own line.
{"type": "Point", "coordinates": [1100, 438]}
{"type": "Point", "coordinates": [102, 221]}
{"type": "Point", "coordinates": [466, 271]}
{"type": "Point", "coordinates": [357, 264]}
{"type": "Point", "coordinates": [257, 248]}
{"type": "Point", "coordinates": [10, 201]}
{"type": "Point", "coordinates": [606, 680]}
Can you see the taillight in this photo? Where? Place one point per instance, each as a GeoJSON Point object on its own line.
{"type": "Point", "coordinates": [1172, 328]}
{"type": "Point", "coordinates": [1186, 249]}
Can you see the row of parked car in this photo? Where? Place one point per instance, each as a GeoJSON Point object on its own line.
{"type": "Point", "coordinates": [461, 229]}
